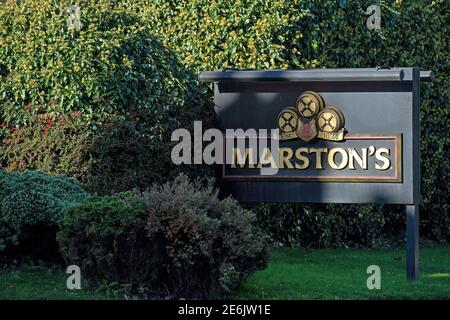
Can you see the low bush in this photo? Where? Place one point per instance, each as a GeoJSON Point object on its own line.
{"type": "Point", "coordinates": [31, 205]}
{"type": "Point", "coordinates": [177, 240]}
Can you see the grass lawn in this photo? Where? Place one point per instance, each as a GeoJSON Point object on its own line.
{"type": "Point", "coordinates": [341, 274]}
{"type": "Point", "coordinates": [292, 274]}
{"type": "Point", "coordinates": [35, 282]}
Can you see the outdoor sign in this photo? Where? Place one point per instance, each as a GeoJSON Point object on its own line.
{"type": "Point", "coordinates": [341, 157]}
{"type": "Point", "coordinates": [344, 136]}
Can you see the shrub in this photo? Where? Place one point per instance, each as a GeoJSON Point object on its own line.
{"type": "Point", "coordinates": [176, 240]}
{"type": "Point", "coordinates": [105, 236]}
{"type": "Point", "coordinates": [111, 79]}
{"type": "Point", "coordinates": [123, 158]}
{"type": "Point", "coordinates": [111, 65]}
{"type": "Point", "coordinates": [54, 144]}
{"type": "Point", "coordinates": [31, 204]}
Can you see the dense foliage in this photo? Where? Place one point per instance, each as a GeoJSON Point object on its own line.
{"type": "Point", "coordinates": [332, 225]}
{"type": "Point", "coordinates": [31, 205]}
{"type": "Point", "coordinates": [64, 92]}
{"type": "Point", "coordinates": [136, 60]}
{"type": "Point", "coordinates": [123, 156]}
{"type": "Point", "coordinates": [302, 34]}
{"type": "Point", "coordinates": [177, 240]}
{"type": "Point", "coordinates": [59, 146]}
{"type": "Point", "coordinates": [113, 64]}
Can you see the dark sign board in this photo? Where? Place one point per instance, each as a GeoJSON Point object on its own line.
{"type": "Point", "coordinates": [356, 128]}
{"type": "Point", "coordinates": [345, 136]}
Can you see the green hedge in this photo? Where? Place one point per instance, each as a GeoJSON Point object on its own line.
{"type": "Point", "coordinates": [112, 65]}
{"type": "Point", "coordinates": [144, 70]}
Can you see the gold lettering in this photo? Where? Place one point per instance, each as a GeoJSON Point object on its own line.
{"type": "Point", "coordinates": [241, 160]}
{"type": "Point", "coordinates": [385, 160]}
{"type": "Point", "coordinates": [350, 158]}
{"type": "Point", "coordinates": [354, 156]}
{"type": "Point", "coordinates": [344, 160]}
{"type": "Point", "coordinates": [266, 158]}
{"type": "Point", "coordinates": [318, 153]}
{"type": "Point", "coordinates": [302, 158]}
{"type": "Point", "coordinates": [285, 158]}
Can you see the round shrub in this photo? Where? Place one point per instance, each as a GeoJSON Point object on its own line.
{"type": "Point", "coordinates": [177, 240]}
{"type": "Point", "coordinates": [111, 65]}
{"type": "Point", "coordinates": [65, 91]}
{"type": "Point", "coordinates": [31, 205]}
{"type": "Point", "coordinates": [105, 236]}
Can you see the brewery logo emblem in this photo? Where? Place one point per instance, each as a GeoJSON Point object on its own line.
{"type": "Point", "coordinates": [311, 119]}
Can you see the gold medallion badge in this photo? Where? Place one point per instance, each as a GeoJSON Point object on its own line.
{"type": "Point", "coordinates": [311, 119]}
{"type": "Point", "coordinates": [288, 122]}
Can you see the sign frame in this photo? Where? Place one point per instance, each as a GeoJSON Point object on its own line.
{"type": "Point", "coordinates": [235, 91]}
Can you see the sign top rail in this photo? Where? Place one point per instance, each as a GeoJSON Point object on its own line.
{"type": "Point", "coordinates": [314, 75]}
